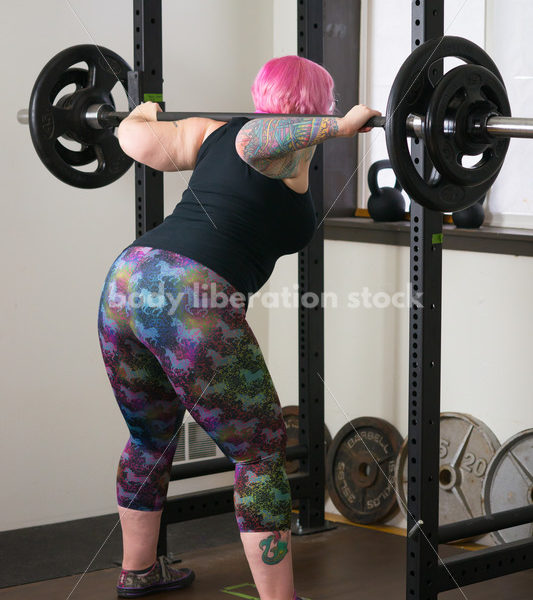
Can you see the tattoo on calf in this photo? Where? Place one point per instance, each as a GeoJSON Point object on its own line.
{"type": "Point", "coordinates": [274, 549]}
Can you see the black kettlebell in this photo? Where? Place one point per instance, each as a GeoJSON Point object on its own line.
{"type": "Point", "coordinates": [384, 204]}
{"type": "Point", "coordinates": [471, 217]}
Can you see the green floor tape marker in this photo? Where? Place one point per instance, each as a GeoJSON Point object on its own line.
{"type": "Point", "coordinates": [232, 590]}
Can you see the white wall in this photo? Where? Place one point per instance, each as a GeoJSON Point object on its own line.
{"type": "Point", "coordinates": [61, 433]}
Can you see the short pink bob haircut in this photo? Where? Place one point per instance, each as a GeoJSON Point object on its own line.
{"type": "Point", "coordinates": [293, 84]}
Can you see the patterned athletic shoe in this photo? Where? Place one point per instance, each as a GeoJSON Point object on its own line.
{"type": "Point", "coordinates": [159, 579]}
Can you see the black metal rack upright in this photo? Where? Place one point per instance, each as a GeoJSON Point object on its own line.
{"type": "Point", "coordinates": [424, 359]}
{"type": "Point", "coordinates": [427, 576]}
{"type": "Point", "coordinates": [145, 83]}
{"type": "Point", "coordinates": [311, 320]}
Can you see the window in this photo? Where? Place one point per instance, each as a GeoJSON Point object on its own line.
{"type": "Point", "coordinates": [502, 28]}
{"type": "Point", "coordinates": [510, 44]}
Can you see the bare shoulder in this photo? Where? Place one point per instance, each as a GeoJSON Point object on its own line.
{"type": "Point", "coordinates": [188, 137]}
{"type": "Point", "coordinates": [212, 126]}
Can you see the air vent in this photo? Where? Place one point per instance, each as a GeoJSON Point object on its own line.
{"type": "Point", "coordinates": [194, 443]}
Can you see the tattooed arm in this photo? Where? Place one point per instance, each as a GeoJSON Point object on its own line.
{"type": "Point", "coordinates": [279, 146]}
{"type": "Point", "coordinates": [276, 147]}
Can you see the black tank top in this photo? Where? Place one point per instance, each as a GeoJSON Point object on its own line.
{"type": "Point", "coordinates": [251, 219]}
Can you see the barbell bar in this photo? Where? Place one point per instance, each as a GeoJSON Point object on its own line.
{"type": "Point", "coordinates": [464, 112]}
{"type": "Point", "coordinates": [102, 116]}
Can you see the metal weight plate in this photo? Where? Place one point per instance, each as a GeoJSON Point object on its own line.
{"type": "Point", "coordinates": [290, 417]}
{"type": "Point", "coordinates": [467, 446]}
{"type": "Point", "coordinates": [360, 470]}
{"type": "Point", "coordinates": [411, 93]}
{"type": "Point", "coordinates": [50, 119]}
{"type": "Point", "coordinates": [509, 483]}
{"type": "Point", "coordinates": [461, 97]}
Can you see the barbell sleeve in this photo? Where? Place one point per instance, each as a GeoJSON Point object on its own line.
{"type": "Point", "coordinates": [23, 116]}
{"type": "Point", "coordinates": [512, 127]}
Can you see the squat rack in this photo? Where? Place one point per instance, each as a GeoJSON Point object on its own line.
{"type": "Point", "coordinates": [427, 576]}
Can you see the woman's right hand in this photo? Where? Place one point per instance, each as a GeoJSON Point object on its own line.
{"type": "Point", "coordinates": [355, 120]}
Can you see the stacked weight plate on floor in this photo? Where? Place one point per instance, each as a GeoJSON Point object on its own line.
{"type": "Point", "coordinates": [467, 446]}
{"type": "Point", "coordinates": [360, 470]}
{"type": "Point", "coordinates": [509, 483]}
{"type": "Point", "coordinates": [291, 419]}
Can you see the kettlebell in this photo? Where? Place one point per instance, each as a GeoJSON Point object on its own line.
{"type": "Point", "coordinates": [384, 204]}
{"type": "Point", "coordinates": [471, 217]}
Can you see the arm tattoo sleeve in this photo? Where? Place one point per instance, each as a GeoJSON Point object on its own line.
{"type": "Point", "coordinates": [272, 145]}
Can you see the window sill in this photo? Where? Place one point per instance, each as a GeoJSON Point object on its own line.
{"type": "Point", "coordinates": [498, 240]}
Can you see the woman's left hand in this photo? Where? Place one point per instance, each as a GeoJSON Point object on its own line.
{"type": "Point", "coordinates": [146, 111]}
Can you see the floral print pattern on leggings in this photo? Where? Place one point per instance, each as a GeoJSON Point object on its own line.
{"type": "Point", "coordinates": [168, 347]}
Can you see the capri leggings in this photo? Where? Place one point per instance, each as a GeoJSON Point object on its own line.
{"type": "Point", "coordinates": [173, 339]}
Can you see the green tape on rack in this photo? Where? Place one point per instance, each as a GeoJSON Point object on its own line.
{"type": "Point", "coordinates": [153, 97]}
{"type": "Point", "coordinates": [436, 238]}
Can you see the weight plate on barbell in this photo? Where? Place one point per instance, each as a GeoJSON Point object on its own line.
{"type": "Point", "coordinates": [49, 119]}
{"type": "Point", "coordinates": [467, 446]}
{"type": "Point", "coordinates": [509, 484]}
{"type": "Point", "coordinates": [360, 470]}
{"type": "Point", "coordinates": [461, 95]}
{"type": "Point", "coordinates": [411, 93]}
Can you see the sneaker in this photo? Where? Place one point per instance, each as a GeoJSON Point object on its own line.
{"type": "Point", "coordinates": [160, 578]}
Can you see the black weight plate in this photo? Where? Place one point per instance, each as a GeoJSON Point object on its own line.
{"type": "Point", "coordinates": [50, 121]}
{"type": "Point", "coordinates": [360, 470]}
{"type": "Point", "coordinates": [463, 92]}
{"type": "Point", "coordinates": [411, 93]}
{"type": "Point", "coordinates": [78, 77]}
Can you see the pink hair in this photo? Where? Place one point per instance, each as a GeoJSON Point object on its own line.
{"type": "Point", "coordinates": [293, 84]}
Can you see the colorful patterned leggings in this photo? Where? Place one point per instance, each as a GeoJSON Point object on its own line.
{"type": "Point", "coordinates": [169, 344]}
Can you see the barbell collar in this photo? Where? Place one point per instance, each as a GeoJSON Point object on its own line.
{"type": "Point", "coordinates": [96, 115]}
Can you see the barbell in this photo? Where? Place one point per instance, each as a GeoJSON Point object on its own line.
{"type": "Point", "coordinates": [465, 112]}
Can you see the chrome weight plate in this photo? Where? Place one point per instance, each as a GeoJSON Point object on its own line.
{"type": "Point", "coordinates": [467, 446]}
{"type": "Point", "coordinates": [509, 483]}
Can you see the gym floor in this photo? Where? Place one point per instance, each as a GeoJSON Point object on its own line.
{"type": "Point", "coordinates": [374, 556]}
